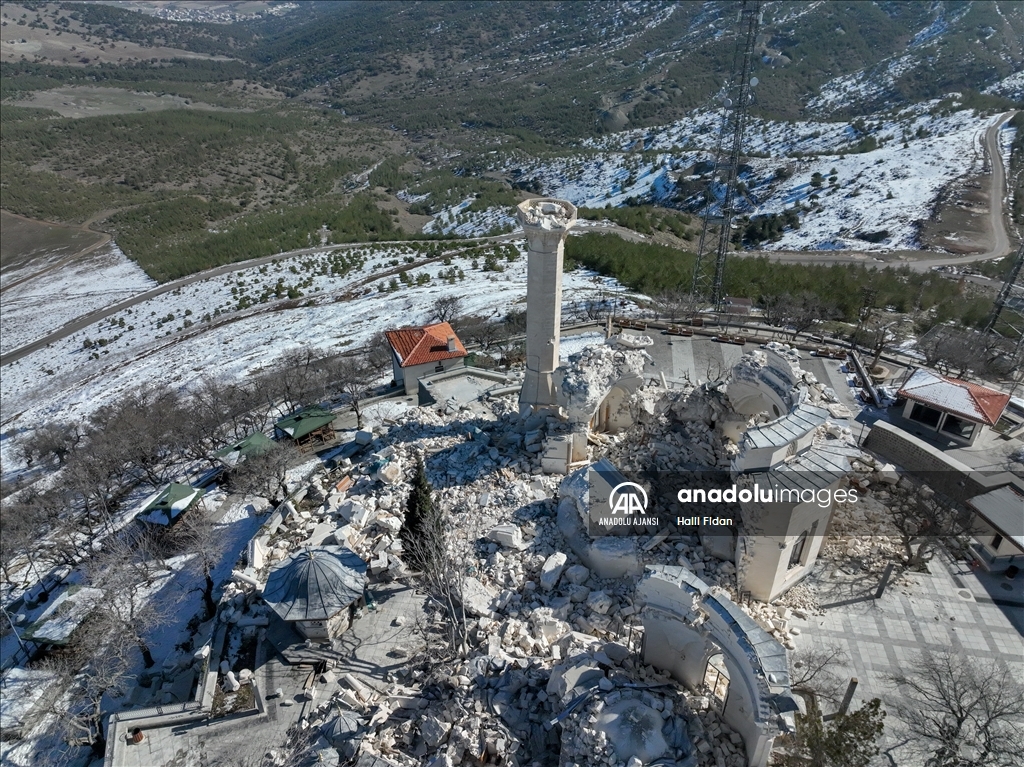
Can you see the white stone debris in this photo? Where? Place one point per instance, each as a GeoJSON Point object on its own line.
{"type": "Point", "coordinates": [553, 629]}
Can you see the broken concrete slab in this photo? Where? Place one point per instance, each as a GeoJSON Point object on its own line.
{"type": "Point", "coordinates": [551, 570]}
{"type": "Point", "coordinates": [509, 536]}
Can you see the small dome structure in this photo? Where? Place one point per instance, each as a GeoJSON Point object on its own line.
{"type": "Point", "coordinates": [343, 728]}
{"type": "Point", "coordinates": [315, 587]}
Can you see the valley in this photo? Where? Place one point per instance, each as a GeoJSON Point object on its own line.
{"type": "Point", "coordinates": [338, 336]}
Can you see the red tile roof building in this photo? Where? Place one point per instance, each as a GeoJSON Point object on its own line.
{"type": "Point", "coordinates": [968, 400]}
{"type": "Point", "coordinates": [418, 351]}
{"type": "Point", "coordinates": [952, 408]}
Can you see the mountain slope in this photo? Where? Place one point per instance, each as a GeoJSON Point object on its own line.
{"type": "Point", "coordinates": [569, 69]}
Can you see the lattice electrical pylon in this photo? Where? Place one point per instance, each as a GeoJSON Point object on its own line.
{"type": "Point", "coordinates": [718, 213]}
{"type": "Point", "coordinates": [1008, 310]}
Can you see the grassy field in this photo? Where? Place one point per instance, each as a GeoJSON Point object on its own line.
{"type": "Point", "coordinates": [23, 241]}
{"type": "Point", "coordinates": [84, 101]}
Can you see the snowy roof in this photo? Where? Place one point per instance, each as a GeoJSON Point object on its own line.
{"type": "Point", "coordinates": [415, 346]}
{"type": "Point", "coordinates": [968, 400]}
{"type": "Point", "coordinates": [307, 420]}
{"type": "Point", "coordinates": [255, 444]}
{"type": "Point", "coordinates": [315, 583]}
{"type": "Point", "coordinates": [1003, 508]}
{"type": "Point", "coordinates": [65, 614]}
{"type": "Point", "coordinates": [170, 503]}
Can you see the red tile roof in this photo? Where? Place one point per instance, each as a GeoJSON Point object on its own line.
{"type": "Point", "coordinates": [415, 346]}
{"type": "Point", "coordinates": [969, 400]}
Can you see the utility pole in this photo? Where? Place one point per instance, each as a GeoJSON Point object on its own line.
{"type": "Point", "coordinates": [716, 224]}
{"type": "Point", "coordinates": [1007, 317]}
{"type": "Point", "coordinates": [1010, 298]}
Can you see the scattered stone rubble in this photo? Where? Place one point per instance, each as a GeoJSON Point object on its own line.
{"type": "Point", "coordinates": [554, 648]}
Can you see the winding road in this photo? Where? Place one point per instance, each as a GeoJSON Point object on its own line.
{"type": "Point", "coordinates": [920, 261]}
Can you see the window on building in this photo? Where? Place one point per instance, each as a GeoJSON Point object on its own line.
{"type": "Point", "coordinates": [997, 541]}
{"type": "Point", "coordinates": [958, 427]}
{"type": "Point", "coordinates": [797, 554]}
{"type": "Point", "coordinates": [929, 416]}
{"type": "Point", "coordinates": [716, 679]}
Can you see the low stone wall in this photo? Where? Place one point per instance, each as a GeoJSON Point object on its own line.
{"type": "Point", "coordinates": [941, 472]}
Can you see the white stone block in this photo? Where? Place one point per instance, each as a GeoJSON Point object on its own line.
{"type": "Point", "coordinates": [551, 570]}
{"type": "Point", "coordinates": [509, 536]}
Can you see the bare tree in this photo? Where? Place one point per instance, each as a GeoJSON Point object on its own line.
{"type": "Point", "coordinates": [924, 525]}
{"type": "Point", "coordinates": [195, 534]}
{"type": "Point", "coordinates": [91, 683]}
{"type": "Point", "coordinates": [378, 353]}
{"type": "Point", "coordinates": [813, 672]}
{"type": "Point", "coordinates": [447, 308]}
{"type": "Point", "coordinates": [297, 377]}
{"type": "Point", "coordinates": [480, 331]}
{"type": "Point", "coordinates": [960, 712]}
{"type": "Point", "coordinates": [874, 333]}
{"type": "Point", "coordinates": [509, 341]}
{"type": "Point", "coordinates": [49, 444]}
{"type": "Point", "coordinates": [126, 570]}
{"type": "Point", "coordinates": [958, 353]}
{"type": "Point", "coordinates": [773, 307]}
{"type": "Point", "coordinates": [352, 377]}
{"type": "Point", "coordinates": [675, 302]}
{"type": "Point", "coordinates": [264, 474]}
{"type": "Point", "coordinates": [803, 311]}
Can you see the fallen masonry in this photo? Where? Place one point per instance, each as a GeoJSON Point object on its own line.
{"type": "Point", "coordinates": [577, 650]}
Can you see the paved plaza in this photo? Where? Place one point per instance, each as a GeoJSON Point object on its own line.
{"type": "Point", "coordinates": [949, 608]}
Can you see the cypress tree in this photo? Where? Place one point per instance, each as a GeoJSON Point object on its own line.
{"type": "Point", "coordinates": [419, 514]}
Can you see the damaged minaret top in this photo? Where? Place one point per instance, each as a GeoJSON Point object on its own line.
{"type": "Point", "coordinates": [546, 223]}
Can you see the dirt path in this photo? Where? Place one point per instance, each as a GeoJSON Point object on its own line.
{"type": "Point", "coordinates": [104, 240]}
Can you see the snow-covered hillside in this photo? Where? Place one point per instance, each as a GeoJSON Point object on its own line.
{"type": "Point", "coordinates": [877, 174]}
{"type": "Point", "coordinates": [166, 340]}
{"type": "Point", "coordinates": [44, 304]}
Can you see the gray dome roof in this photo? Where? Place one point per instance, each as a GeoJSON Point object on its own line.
{"type": "Point", "coordinates": [315, 583]}
{"type": "Point", "coordinates": [343, 727]}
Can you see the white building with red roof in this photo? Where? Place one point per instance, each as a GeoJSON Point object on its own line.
{"type": "Point", "coordinates": [953, 408]}
{"type": "Point", "coordinates": [421, 351]}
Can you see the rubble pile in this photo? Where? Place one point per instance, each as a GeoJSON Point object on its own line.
{"type": "Point", "coordinates": [679, 435]}
{"type": "Point", "coordinates": [591, 373]}
{"type": "Point", "coordinates": [552, 671]}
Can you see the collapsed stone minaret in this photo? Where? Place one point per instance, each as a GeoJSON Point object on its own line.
{"type": "Point", "coordinates": [546, 223]}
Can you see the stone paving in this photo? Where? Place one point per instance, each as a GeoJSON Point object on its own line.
{"type": "Point", "coordinates": [951, 607]}
{"type": "Point", "coordinates": [224, 741]}
{"type": "Point", "coordinates": [367, 649]}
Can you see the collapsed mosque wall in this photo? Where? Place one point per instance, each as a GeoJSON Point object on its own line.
{"type": "Point", "coordinates": [686, 623]}
{"type": "Point", "coordinates": [769, 423]}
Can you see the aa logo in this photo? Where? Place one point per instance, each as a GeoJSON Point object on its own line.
{"type": "Point", "coordinates": [628, 498]}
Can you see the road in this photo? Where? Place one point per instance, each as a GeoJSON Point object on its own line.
{"type": "Point", "coordinates": [923, 260]}
{"type": "Point", "coordinates": [88, 319]}
{"type": "Point", "coordinates": [999, 239]}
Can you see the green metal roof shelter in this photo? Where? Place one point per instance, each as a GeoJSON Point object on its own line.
{"type": "Point", "coordinates": [255, 444]}
{"type": "Point", "coordinates": [311, 425]}
{"type": "Point", "coordinates": [173, 501]}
